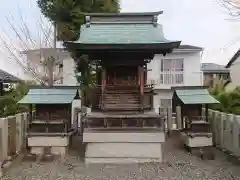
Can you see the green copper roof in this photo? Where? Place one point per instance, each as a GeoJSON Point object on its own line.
{"type": "Point", "coordinates": [50, 96]}
{"type": "Point", "coordinates": [122, 34]}
{"type": "Point", "coordinates": [195, 96]}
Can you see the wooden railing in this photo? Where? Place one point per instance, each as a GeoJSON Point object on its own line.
{"type": "Point", "coordinates": [127, 121]}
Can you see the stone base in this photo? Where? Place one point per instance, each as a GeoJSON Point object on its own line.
{"type": "Point", "coordinates": [57, 145]}
{"type": "Point", "coordinates": [53, 150]}
{"type": "Point", "coordinates": [192, 142]}
{"type": "Point", "coordinates": [123, 152]}
{"type": "Point", "coordinates": [123, 147]}
{"type": "Point", "coordinates": [120, 160]}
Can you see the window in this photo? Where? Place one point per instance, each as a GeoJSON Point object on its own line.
{"type": "Point", "coordinates": [224, 76]}
{"type": "Point", "coordinates": [172, 71]}
{"type": "Point", "coordinates": [172, 65]}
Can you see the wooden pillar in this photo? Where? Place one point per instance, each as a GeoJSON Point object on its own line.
{"type": "Point", "coordinates": [1, 89]}
{"type": "Point", "coordinates": [141, 85]}
{"type": "Point", "coordinates": [97, 75]}
{"type": "Point", "coordinates": [30, 113]}
{"type": "Point", "coordinates": [103, 86]}
{"type": "Point", "coordinates": [145, 75]}
{"type": "Point", "coordinates": [206, 112]}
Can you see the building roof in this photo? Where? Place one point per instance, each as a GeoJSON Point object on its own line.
{"type": "Point", "coordinates": [233, 59]}
{"type": "Point", "coordinates": [125, 14]}
{"type": "Point", "coordinates": [186, 46]}
{"type": "Point", "coordinates": [122, 34]}
{"type": "Point", "coordinates": [50, 95]}
{"type": "Point", "coordinates": [195, 96]}
{"type": "Point", "coordinates": [113, 30]}
{"type": "Point", "coordinates": [213, 68]}
{"type": "Point", "coordinates": [8, 78]}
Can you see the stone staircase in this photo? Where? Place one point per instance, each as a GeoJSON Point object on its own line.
{"type": "Point", "coordinates": [122, 99]}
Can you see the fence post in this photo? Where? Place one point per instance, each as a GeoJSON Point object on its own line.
{"type": "Point", "coordinates": [222, 128]}
{"type": "Point", "coordinates": [213, 126]}
{"type": "Point", "coordinates": [169, 120]}
{"type": "Point", "coordinates": [12, 135]}
{"type": "Point", "coordinates": [20, 132]}
{"type": "Point", "coordinates": [4, 140]}
{"type": "Point", "coordinates": [25, 128]}
{"type": "Point", "coordinates": [229, 133]}
{"type": "Point", "coordinates": [179, 117]}
{"type": "Point", "coordinates": [217, 128]}
{"type": "Point", "coordinates": [236, 136]}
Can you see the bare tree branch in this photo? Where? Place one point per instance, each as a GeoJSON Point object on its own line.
{"type": "Point", "coordinates": [23, 38]}
{"type": "Point", "coordinates": [232, 7]}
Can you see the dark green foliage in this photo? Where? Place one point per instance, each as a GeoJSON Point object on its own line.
{"type": "Point", "coordinates": [8, 102]}
{"type": "Point", "coordinates": [68, 15]}
{"type": "Point", "coordinates": [230, 101]}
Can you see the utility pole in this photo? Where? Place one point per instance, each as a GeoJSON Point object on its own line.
{"type": "Point", "coordinates": [57, 59]}
{"type": "Point", "coordinates": [61, 61]}
{"type": "Point", "coordinates": [51, 60]}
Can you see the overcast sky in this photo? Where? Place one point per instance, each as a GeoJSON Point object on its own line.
{"type": "Point", "coordinates": [195, 22]}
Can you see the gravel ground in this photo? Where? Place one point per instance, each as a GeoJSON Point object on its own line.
{"type": "Point", "coordinates": [178, 165]}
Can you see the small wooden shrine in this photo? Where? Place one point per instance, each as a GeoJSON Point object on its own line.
{"type": "Point", "coordinates": [50, 125]}
{"type": "Point", "coordinates": [121, 45]}
{"type": "Point", "coordinates": [195, 125]}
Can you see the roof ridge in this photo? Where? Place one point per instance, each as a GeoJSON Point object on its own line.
{"type": "Point", "coordinates": [124, 14]}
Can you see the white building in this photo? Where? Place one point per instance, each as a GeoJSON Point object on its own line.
{"type": "Point", "coordinates": [234, 67]}
{"type": "Point", "coordinates": [180, 68]}
{"type": "Point", "coordinates": [64, 69]}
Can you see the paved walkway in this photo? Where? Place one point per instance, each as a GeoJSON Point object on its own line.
{"type": "Point", "coordinates": [179, 165]}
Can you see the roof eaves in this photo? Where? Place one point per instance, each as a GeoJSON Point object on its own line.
{"type": "Point", "coordinates": [216, 71]}
{"type": "Point", "coordinates": [233, 59]}
{"type": "Point", "coordinates": [186, 46]}
{"type": "Point", "coordinates": [54, 87]}
{"type": "Point", "coordinates": [124, 14]}
{"type": "Point", "coordinates": [188, 87]}
{"type": "Point", "coordinates": [187, 50]}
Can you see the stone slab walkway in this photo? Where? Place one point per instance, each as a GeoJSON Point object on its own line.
{"type": "Point", "coordinates": [179, 165]}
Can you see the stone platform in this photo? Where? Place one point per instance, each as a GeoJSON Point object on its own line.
{"type": "Point", "coordinates": [123, 145]}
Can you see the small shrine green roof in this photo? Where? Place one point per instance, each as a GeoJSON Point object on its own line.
{"type": "Point", "coordinates": [195, 96]}
{"type": "Point", "coordinates": [50, 95]}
